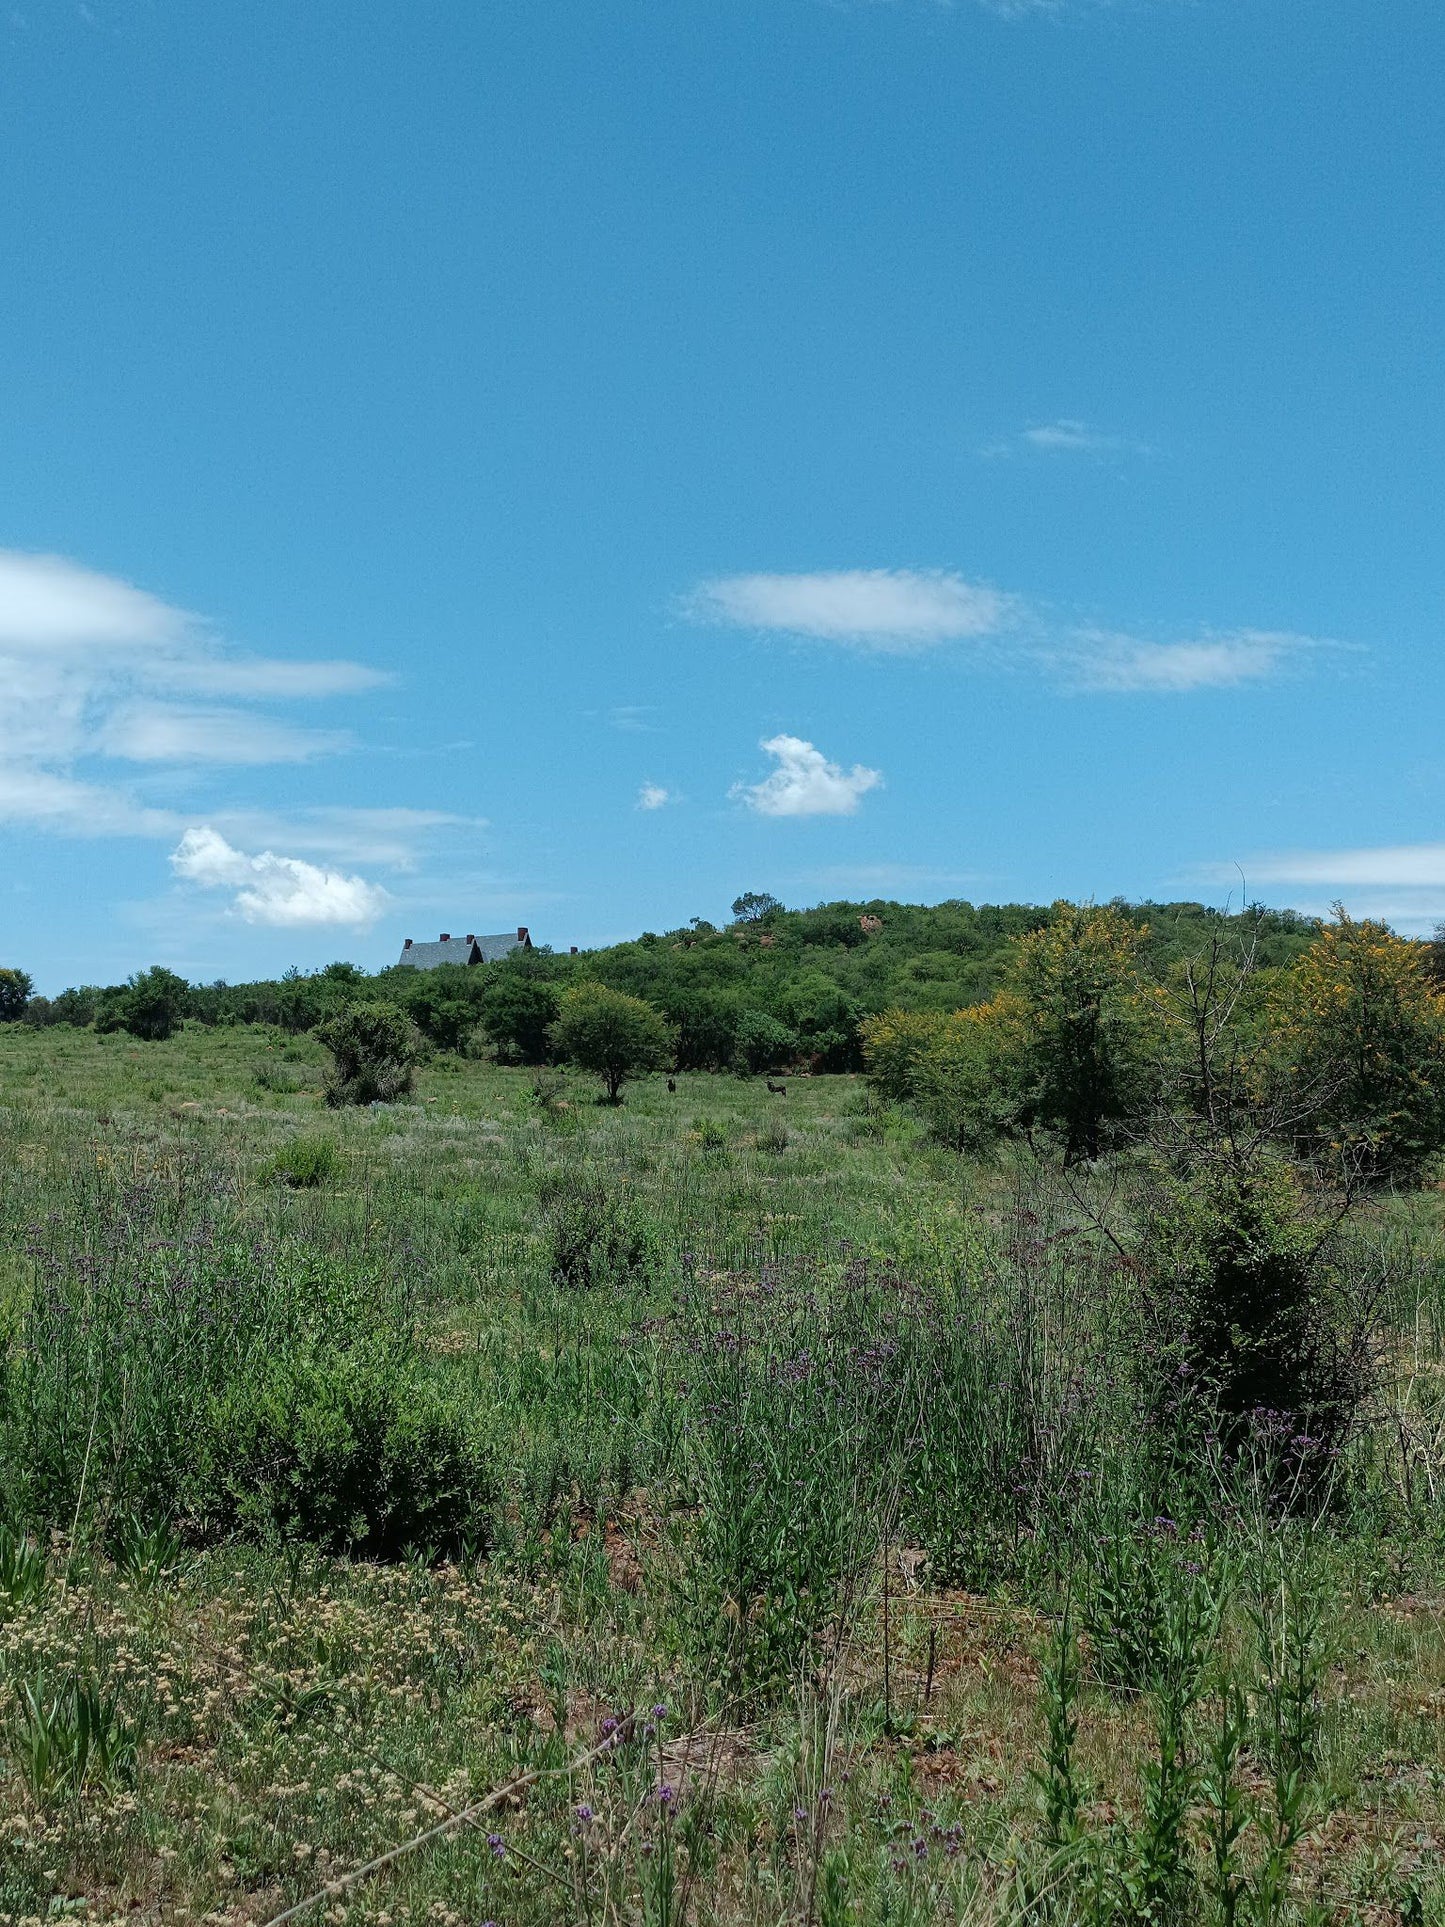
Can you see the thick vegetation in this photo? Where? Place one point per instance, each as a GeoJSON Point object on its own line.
{"type": "Point", "coordinates": [1003, 1488]}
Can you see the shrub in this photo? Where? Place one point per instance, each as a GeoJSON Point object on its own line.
{"type": "Point", "coordinates": [896, 1045]}
{"type": "Point", "coordinates": [1258, 1298]}
{"type": "Point", "coordinates": [353, 1452]}
{"type": "Point", "coordinates": [374, 1048]}
{"type": "Point", "coordinates": [594, 1237]}
{"type": "Point", "coordinates": [518, 1009]}
{"type": "Point", "coordinates": [151, 1302]}
{"type": "Point", "coordinates": [305, 1163]}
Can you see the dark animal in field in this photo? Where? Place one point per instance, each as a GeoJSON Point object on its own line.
{"type": "Point", "coordinates": [672, 1085]}
{"type": "Point", "coordinates": [778, 1090]}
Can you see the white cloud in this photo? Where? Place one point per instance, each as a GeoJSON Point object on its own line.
{"type": "Point", "coordinates": [652, 796]}
{"type": "Point", "coordinates": [895, 611]}
{"type": "Point", "coordinates": [47, 602]}
{"type": "Point", "coordinates": [173, 733]}
{"type": "Point", "coordinates": [805, 783]}
{"type": "Point", "coordinates": [40, 799]}
{"type": "Point", "coordinates": [261, 676]}
{"type": "Point", "coordinates": [283, 891]}
{"type": "Point", "coordinates": [1097, 660]}
{"type": "Point", "coordinates": [1073, 437]}
{"type": "Point", "coordinates": [1402, 884]}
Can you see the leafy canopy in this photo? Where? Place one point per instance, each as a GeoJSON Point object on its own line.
{"type": "Point", "coordinates": [608, 1032]}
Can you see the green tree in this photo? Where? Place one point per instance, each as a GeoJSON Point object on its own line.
{"type": "Point", "coordinates": [608, 1032]}
{"type": "Point", "coordinates": [15, 989]}
{"type": "Point", "coordinates": [754, 905]}
{"type": "Point", "coordinates": [762, 1043]}
{"type": "Point", "coordinates": [374, 1047]}
{"type": "Point", "coordinates": [151, 1004]}
{"type": "Point", "coordinates": [518, 1009]}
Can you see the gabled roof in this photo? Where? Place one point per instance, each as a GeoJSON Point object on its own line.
{"type": "Point", "coordinates": [493, 949]}
{"type": "Point", "coordinates": [464, 950]}
{"type": "Point", "coordinates": [449, 950]}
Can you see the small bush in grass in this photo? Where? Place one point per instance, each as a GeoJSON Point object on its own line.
{"type": "Point", "coordinates": [270, 1077]}
{"type": "Point", "coordinates": [305, 1163]}
{"type": "Point", "coordinates": [773, 1137]}
{"type": "Point", "coordinates": [594, 1237]}
{"type": "Point", "coordinates": [375, 1048]}
{"type": "Point", "coordinates": [356, 1453]}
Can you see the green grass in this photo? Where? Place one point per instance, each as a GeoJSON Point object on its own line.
{"type": "Point", "coordinates": [811, 1451]}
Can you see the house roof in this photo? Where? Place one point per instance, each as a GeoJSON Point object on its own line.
{"type": "Point", "coordinates": [493, 949]}
{"type": "Point", "coordinates": [464, 950]}
{"type": "Point", "coordinates": [426, 956]}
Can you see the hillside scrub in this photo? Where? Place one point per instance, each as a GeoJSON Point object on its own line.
{"type": "Point", "coordinates": [815, 974]}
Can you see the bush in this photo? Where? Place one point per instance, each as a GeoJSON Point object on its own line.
{"type": "Point", "coordinates": [1361, 1026]}
{"type": "Point", "coordinates": [354, 1453]}
{"type": "Point", "coordinates": [1260, 1301]}
{"type": "Point", "coordinates": [375, 1048]}
{"type": "Point", "coordinates": [518, 1009]}
{"type": "Point", "coordinates": [305, 1163]}
{"type": "Point", "coordinates": [594, 1237]}
{"type": "Point", "coordinates": [152, 1302]}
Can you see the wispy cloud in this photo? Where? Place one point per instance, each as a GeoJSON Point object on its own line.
{"type": "Point", "coordinates": [1099, 660]}
{"type": "Point", "coordinates": [147, 732]}
{"type": "Point", "coordinates": [1064, 436]}
{"type": "Point", "coordinates": [805, 783]}
{"type": "Point", "coordinates": [388, 836]}
{"type": "Point", "coordinates": [284, 892]}
{"type": "Point", "coordinates": [1401, 883]}
{"type": "Point", "coordinates": [905, 611]}
{"type": "Point", "coordinates": [892, 611]}
{"type": "Point", "coordinates": [94, 669]}
{"type": "Point", "coordinates": [652, 796]}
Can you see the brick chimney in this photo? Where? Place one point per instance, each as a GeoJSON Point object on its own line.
{"type": "Point", "coordinates": [523, 934]}
{"type": "Point", "coordinates": [470, 937]}
{"type": "Point", "coordinates": [446, 936]}
{"type": "Point", "coordinates": [407, 944]}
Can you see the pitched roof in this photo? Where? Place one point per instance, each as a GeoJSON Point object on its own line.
{"type": "Point", "coordinates": [493, 949]}
{"type": "Point", "coordinates": [464, 950]}
{"type": "Point", "coordinates": [453, 950]}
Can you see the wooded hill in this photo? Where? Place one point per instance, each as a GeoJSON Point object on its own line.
{"type": "Point", "coordinates": [772, 988]}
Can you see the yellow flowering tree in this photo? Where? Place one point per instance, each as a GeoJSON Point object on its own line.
{"type": "Point", "coordinates": [1360, 1028]}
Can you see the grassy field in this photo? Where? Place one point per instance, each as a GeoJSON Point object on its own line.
{"type": "Point", "coordinates": [774, 1545]}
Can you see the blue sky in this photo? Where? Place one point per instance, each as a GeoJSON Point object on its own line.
{"type": "Point", "coordinates": [464, 464]}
